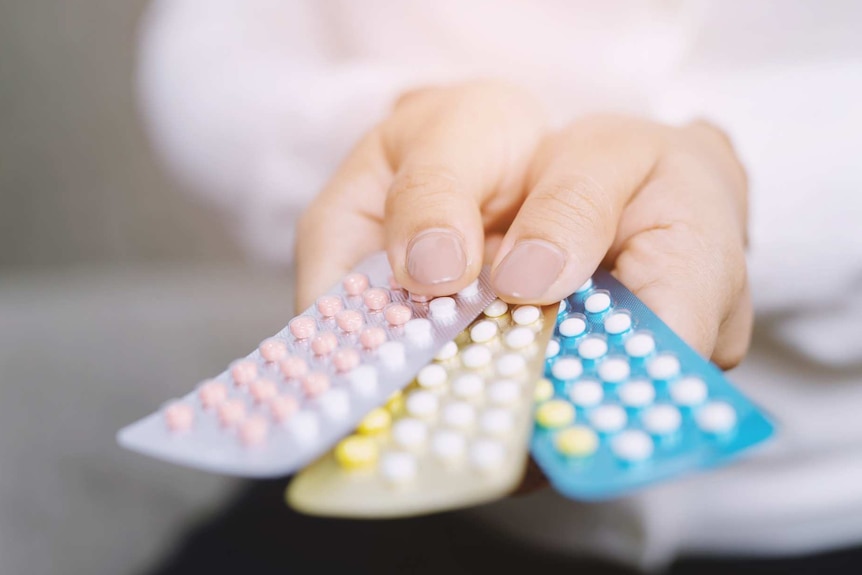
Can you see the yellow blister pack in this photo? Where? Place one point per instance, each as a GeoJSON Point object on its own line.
{"type": "Point", "coordinates": [456, 436]}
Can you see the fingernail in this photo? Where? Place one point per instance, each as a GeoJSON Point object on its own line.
{"type": "Point", "coordinates": [436, 256]}
{"type": "Point", "coordinates": [528, 271]}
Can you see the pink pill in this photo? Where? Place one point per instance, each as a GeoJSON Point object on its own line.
{"type": "Point", "coordinates": [372, 337]}
{"type": "Point", "coordinates": [394, 284]}
{"type": "Point", "coordinates": [243, 372]}
{"type": "Point", "coordinates": [355, 284]}
{"type": "Point", "coordinates": [315, 384]}
{"type": "Point", "coordinates": [375, 299]}
{"type": "Point", "coordinates": [231, 412]}
{"type": "Point", "coordinates": [324, 344]}
{"type": "Point", "coordinates": [329, 305]}
{"type": "Point", "coordinates": [254, 430]}
{"type": "Point", "coordinates": [262, 390]}
{"type": "Point", "coordinates": [419, 298]}
{"type": "Point", "coordinates": [345, 359]}
{"type": "Point", "coordinates": [272, 349]}
{"type": "Point", "coordinates": [293, 367]}
{"type": "Point", "coordinates": [303, 327]}
{"type": "Point", "coordinates": [397, 314]}
{"type": "Point", "coordinates": [283, 407]}
{"type": "Point", "coordinates": [212, 393]}
{"type": "Point", "coordinates": [179, 416]}
{"type": "Point", "coordinates": [349, 320]}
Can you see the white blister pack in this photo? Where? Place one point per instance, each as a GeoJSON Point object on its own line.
{"type": "Point", "coordinates": [289, 401]}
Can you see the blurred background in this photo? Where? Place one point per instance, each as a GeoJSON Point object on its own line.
{"type": "Point", "coordinates": [114, 287]}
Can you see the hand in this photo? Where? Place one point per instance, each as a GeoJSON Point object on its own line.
{"type": "Point", "coordinates": [459, 175]}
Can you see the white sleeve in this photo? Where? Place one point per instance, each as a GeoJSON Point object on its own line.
{"type": "Point", "coordinates": [250, 105]}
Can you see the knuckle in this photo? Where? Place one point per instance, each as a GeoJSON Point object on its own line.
{"type": "Point", "coordinates": [423, 188]}
{"type": "Point", "coordinates": [575, 203]}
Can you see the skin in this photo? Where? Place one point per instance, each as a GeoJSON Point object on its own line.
{"type": "Point", "coordinates": [663, 207]}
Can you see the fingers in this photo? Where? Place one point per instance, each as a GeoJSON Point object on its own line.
{"type": "Point", "coordinates": [456, 161]}
{"type": "Point", "coordinates": [448, 163]}
{"type": "Point", "coordinates": [345, 221]}
{"type": "Point", "coordinates": [680, 248]}
{"type": "Point", "coordinates": [568, 221]}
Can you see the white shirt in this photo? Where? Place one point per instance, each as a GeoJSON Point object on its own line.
{"type": "Point", "coordinates": [252, 103]}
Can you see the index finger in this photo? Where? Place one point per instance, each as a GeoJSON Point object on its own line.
{"type": "Point", "coordinates": [345, 222]}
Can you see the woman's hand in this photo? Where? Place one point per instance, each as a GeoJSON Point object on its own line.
{"type": "Point", "coordinates": [460, 175]}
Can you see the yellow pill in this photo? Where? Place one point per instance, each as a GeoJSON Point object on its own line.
{"type": "Point", "coordinates": [395, 403]}
{"type": "Point", "coordinates": [577, 441]}
{"type": "Point", "coordinates": [377, 420]}
{"type": "Point", "coordinates": [555, 413]}
{"type": "Point", "coordinates": [544, 391]}
{"type": "Point", "coordinates": [356, 452]}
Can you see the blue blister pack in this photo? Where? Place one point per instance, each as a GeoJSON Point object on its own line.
{"type": "Point", "coordinates": [627, 403]}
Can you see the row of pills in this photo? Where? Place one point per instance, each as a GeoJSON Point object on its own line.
{"type": "Point", "coordinates": [270, 393]}
{"type": "Point", "coordinates": [461, 409]}
{"type": "Point", "coordinates": [623, 390]}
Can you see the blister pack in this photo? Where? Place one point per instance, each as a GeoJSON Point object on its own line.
{"type": "Point", "coordinates": [302, 390]}
{"type": "Point", "coordinates": [457, 435]}
{"type": "Point", "coordinates": [628, 403]}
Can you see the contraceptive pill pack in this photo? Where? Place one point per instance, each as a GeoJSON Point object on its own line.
{"type": "Point", "coordinates": [458, 435]}
{"type": "Point", "coordinates": [627, 403]}
{"type": "Point", "coordinates": [293, 398]}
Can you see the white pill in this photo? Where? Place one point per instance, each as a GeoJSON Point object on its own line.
{"type": "Point", "coordinates": [409, 433]}
{"type": "Point", "coordinates": [614, 370]}
{"type": "Point", "coordinates": [467, 386]}
{"type": "Point", "coordinates": [597, 302]}
{"type": "Point", "coordinates": [471, 290]}
{"type": "Point", "coordinates": [304, 426]}
{"type": "Point", "coordinates": [689, 391]}
{"type": "Point", "coordinates": [476, 356]}
{"type": "Point", "coordinates": [637, 393]}
{"type": "Point", "coordinates": [553, 349]}
{"type": "Point", "coordinates": [716, 417]}
{"type": "Point", "coordinates": [640, 345]}
{"type": "Point", "coordinates": [496, 421]}
{"type": "Point", "coordinates": [592, 347]}
{"type": "Point", "coordinates": [442, 308]}
{"type": "Point", "coordinates": [459, 415]}
{"type": "Point", "coordinates": [563, 307]}
{"type": "Point", "coordinates": [418, 331]}
{"type": "Point", "coordinates": [432, 375]}
{"type": "Point", "coordinates": [448, 445]}
{"type": "Point", "coordinates": [526, 314]}
{"type": "Point", "coordinates": [520, 337]}
{"type": "Point", "coordinates": [663, 367]}
{"type": "Point", "coordinates": [398, 468]}
{"type": "Point", "coordinates": [487, 454]}
{"type": "Point", "coordinates": [422, 403]}
{"type": "Point", "coordinates": [662, 419]}
{"type": "Point", "coordinates": [585, 286]}
{"type": "Point", "coordinates": [511, 364]}
{"type": "Point", "coordinates": [363, 380]}
{"type": "Point", "coordinates": [586, 393]}
{"type": "Point", "coordinates": [446, 352]}
{"type": "Point", "coordinates": [632, 445]}
{"type": "Point", "coordinates": [573, 327]}
{"type": "Point", "coordinates": [618, 322]}
{"type": "Point", "coordinates": [567, 368]}
{"type": "Point", "coordinates": [496, 308]}
{"type": "Point", "coordinates": [391, 354]}
{"type": "Point", "coordinates": [504, 392]}
{"type": "Point", "coordinates": [335, 403]}
{"type": "Point", "coordinates": [608, 418]}
{"type": "Point", "coordinates": [483, 331]}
